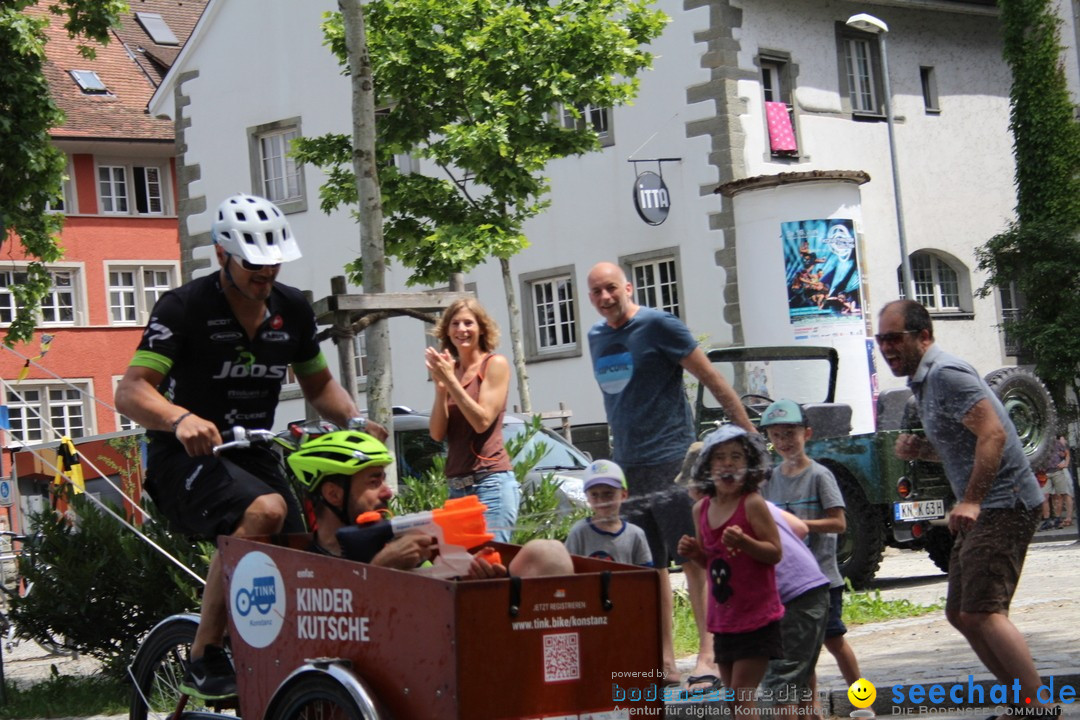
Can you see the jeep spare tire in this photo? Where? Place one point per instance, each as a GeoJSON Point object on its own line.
{"type": "Point", "coordinates": [1028, 404]}
{"type": "Point", "coordinates": [1030, 408]}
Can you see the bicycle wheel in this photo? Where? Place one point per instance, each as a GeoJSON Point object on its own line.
{"type": "Point", "coordinates": [315, 697]}
{"type": "Point", "coordinates": [157, 670]}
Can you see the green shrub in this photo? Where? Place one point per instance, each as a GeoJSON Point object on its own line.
{"type": "Point", "coordinates": [99, 586]}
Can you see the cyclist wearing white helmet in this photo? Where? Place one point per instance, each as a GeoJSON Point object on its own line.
{"type": "Point", "coordinates": [214, 356]}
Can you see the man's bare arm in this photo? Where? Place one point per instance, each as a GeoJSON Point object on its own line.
{"type": "Point", "coordinates": [698, 365]}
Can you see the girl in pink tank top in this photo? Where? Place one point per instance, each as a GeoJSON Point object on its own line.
{"type": "Point", "coordinates": [738, 543]}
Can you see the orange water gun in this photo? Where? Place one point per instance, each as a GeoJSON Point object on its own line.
{"type": "Point", "coordinates": [458, 526]}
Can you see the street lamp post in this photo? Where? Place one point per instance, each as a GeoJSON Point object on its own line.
{"type": "Point", "coordinates": [876, 26]}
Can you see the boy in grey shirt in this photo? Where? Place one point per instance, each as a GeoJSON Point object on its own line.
{"type": "Point", "coordinates": [606, 535]}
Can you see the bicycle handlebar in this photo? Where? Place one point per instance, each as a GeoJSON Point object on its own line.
{"type": "Point", "coordinates": [240, 438]}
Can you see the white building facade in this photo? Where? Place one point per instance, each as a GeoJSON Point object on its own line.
{"type": "Point", "coordinates": [255, 74]}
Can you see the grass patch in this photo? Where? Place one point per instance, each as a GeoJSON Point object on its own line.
{"type": "Point", "coordinates": [66, 696]}
{"type": "Point", "coordinates": [869, 606]}
{"type": "Point", "coordinates": [685, 633]}
{"type": "Point", "coordinates": [859, 608]}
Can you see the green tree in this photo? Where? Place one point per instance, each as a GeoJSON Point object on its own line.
{"type": "Point", "coordinates": [475, 87]}
{"type": "Point", "coordinates": [1040, 252]}
{"type": "Point", "coordinates": [31, 168]}
{"type": "Point", "coordinates": [99, 586]}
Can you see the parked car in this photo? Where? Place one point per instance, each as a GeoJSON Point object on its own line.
{"type": "Point", "coordinates": [416, 452]}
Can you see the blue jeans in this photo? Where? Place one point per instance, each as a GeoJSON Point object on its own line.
{"type": "Point", "coordinates": [502, 494]}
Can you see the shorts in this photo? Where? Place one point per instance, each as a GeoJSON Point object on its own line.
{"type": "Point", "coordinates": [659, 507]}
{"type": "Point", "coordinates": [802, 632]}
{"type": "Point", "coordinates": [835, 626]}
{"type": "Point", "coordinates": [766, 641]}
{"type": "Point", "coordinates": [1059, 482]}
{"type": "Point", "coordinates": [203, 497]}
{"type": "Point", "coordinates": [986, 561]}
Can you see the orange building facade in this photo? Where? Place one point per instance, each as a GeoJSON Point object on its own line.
{"type": "Point", "coordinates": [120, 237]}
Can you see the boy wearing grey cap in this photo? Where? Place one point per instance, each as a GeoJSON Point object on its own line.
{"type": "Point", "coordinates": [606, 535]}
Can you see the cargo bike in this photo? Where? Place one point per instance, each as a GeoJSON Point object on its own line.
{"type": "Point", "coordinates": [315, 636]}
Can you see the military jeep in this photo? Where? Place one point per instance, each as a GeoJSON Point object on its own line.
{"type": "Point", "coordinates": [889, 501]}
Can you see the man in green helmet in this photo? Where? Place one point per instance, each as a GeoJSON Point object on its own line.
{"type": "Point", "coordinates": [344, 475]}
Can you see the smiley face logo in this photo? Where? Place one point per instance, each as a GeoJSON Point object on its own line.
{"type": "Point", "coordinates": [862, 693]}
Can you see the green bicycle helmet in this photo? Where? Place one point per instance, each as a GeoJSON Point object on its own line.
{"type": "Point", "coordinates": [336, 454]}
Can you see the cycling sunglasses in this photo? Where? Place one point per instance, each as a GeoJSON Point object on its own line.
{"type": "Point", "coordinates": [250, 266]}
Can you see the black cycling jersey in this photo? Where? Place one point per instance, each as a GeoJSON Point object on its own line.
{"type": "Point", "coordinates": [210, 365]}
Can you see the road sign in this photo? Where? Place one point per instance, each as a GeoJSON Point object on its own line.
{"type": "Point", "coordinates": [6, 493]}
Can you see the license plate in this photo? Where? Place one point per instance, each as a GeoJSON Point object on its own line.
{"type": "Point", "coordinates": [919, 510]}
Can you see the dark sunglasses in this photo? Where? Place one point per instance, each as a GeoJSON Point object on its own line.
{"type": "Point", "coordinates": [252, 267]}
{"type": "Point", "coordinates": [894, 337]}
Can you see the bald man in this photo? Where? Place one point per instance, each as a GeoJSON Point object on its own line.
{"type": "Point", "coordinates": [639, 355]}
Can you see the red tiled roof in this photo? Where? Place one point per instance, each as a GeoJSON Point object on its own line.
{"type": "Point", "coordinates": [130, 78]}
{"type": "Point", "coordinates": [181, 17]}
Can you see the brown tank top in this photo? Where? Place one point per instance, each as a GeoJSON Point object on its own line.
{"type": "Point", "coordinates": [469, 451]}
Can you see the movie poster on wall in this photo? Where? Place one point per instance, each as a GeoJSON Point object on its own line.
{"type": "Point", "coordinates": [824, 288]}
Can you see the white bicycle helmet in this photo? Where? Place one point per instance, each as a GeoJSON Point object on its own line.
{"type": "Point", "coordinates": [253, 229]}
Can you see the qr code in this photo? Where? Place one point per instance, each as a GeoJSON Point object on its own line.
{"type": "Point", "coordinates": [562, 657]}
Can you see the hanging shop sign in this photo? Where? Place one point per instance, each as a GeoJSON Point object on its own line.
{"type": "Point", "coordinates": [651, 198]}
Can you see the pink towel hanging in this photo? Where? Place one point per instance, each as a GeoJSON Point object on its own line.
{"type": "Point", "coordinates": [781, 134]}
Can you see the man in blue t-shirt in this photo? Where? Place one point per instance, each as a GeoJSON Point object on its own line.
{"type": "Point", "coordinates": [997, 496]}
{"type": "Point", "coordinates": [639, 355]}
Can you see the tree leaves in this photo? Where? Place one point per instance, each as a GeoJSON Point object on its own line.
{"type": "Point", "coordinates": [474, 86]}
{"type": "Point", "coordinates": [31, 168]}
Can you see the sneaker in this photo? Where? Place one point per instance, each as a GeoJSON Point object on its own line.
{"type": "Point", "coordinates": [1046, 524]}
{"type": "Point", "coordinates": [210, 677]}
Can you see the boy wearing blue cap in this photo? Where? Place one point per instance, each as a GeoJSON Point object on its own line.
{"type": "Point", "coordinates": [606, 535]}
{"type": "Point", "coordinates": [808, 490]}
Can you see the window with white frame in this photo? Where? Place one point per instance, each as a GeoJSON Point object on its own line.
{"type": "Point", "coordinates": [61, 202]}
{"type": "Point", "coordinates": [133, 290]}
{"type": "Point", "coordinates": [8, 280]}
{"type": "Point", "coordinates": [550, 313]}
{"type": "Point", "coordinates": [61, 306]}
{"type": "Point", "coordinates": [135, 189]}
{"type": "Point", "coordinates": [656, 284]}
{"type": "Point", "coordinates": [360, 357]}
{"type": "Point", "coordinates": [58, 307]}
{"type": "Point", "coordinates": [584, 116]}
{"type": "Point", "coordinates": [1011, 305]}
{"type": "Point", "coordinates": [553, 303]}
{"type": "Point", "coordinates": [939, 286]}
{"type": "Point", "coordinates": [860, 72]}
{"type": "Point", "coordinates": [44, 412]}
{"type": "Point", "coordinates": [274, 173]}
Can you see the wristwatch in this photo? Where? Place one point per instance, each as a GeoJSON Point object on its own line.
{"type": "Point", "coordinates": [357, 423]}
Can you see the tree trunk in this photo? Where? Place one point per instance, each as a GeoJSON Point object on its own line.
{"type": "Point", "coordinates": [515, 337]}
{"type": "Point", "coordinates": [380, 383]}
